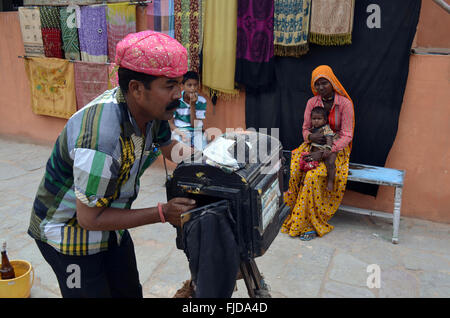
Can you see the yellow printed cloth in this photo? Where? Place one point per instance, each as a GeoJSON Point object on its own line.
{"type": "Point", "coordinates": [52, 86]}
{"type": "Point", "coordinates": [312, 205]}
{"type": "Point", "coordinates": [332, 22]}
{"type": "Point", "coordinates": [219, 47]}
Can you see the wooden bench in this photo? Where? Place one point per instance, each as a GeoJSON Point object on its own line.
{"type": "Point", "coordinates": [380, 176]}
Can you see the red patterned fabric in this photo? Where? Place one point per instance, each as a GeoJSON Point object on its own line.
{"type": "Point", "coordinates": [307, 165]}
{"type": "Point", "coordinates": [91, 80]}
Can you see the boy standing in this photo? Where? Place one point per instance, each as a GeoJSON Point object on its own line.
{"type": "Point", "coordinates": [187, 124]}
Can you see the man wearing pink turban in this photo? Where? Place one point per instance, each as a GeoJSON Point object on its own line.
{"type": "Point", "coordinates": [82, 208]}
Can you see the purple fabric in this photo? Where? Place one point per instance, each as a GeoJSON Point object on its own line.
{"type": "Point", "coordinates": [92, 32]}
{"type": "Point", "coordinates": [255, 30]}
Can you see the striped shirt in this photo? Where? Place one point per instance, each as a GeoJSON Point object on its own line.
{"type": "Point", "coordinates": [344, 121]}
{"type": "Point", "coordinates": [98, 158]}
{"type": "Point", "coordinates": [182, 115]}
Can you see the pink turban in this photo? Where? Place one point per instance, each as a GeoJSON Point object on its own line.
{"type": "Point", "coordinates": [152, 53]}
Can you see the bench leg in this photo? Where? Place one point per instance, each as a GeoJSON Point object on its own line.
{"type": "Point", "coordinates": [396, 219]}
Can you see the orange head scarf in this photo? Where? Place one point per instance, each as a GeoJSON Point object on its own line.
{"type": "Point", "coordinates": [326, 72]}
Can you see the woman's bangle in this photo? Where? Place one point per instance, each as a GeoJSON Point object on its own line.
{"type": "Point", "coordinates": [161, 213]}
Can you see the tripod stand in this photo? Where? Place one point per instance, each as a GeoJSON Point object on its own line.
{"type": "Point", "coordinates": [254, 281]}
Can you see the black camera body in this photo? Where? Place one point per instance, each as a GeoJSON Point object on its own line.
{"type": "Point", "coordinates": [251, 192]}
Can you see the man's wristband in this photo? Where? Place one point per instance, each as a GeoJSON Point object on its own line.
{"type": "Point", "coordinates": [161, 213]}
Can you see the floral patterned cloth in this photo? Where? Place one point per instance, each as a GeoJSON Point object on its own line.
{"type": "Point", "coordinates": [188, 29]}
{"type": "Point", "coordinates": [52, 86]}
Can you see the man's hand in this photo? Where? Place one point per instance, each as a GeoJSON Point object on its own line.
{"type": "Point", "coordinates": [175, 207]}
{"type": "Point", "coordinates": [317, 138]}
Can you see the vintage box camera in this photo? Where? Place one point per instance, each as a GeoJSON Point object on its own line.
{"type": "Point", "coordinates": [242, 174]}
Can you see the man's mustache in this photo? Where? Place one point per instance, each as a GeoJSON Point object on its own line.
{"type": "Point", "coordinates": [173, 105]}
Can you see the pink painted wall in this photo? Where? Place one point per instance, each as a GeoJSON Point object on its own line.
{"type": "Point", "coordinates": [16, 117]}
{"type": "Point", "coordinates": [422, 145]}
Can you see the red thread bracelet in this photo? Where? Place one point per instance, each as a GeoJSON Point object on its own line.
{"type": "Point", "coordinates": [161, 214]}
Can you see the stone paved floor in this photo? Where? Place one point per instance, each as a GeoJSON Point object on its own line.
{"type": "Point", "coordinates": [332, 266]}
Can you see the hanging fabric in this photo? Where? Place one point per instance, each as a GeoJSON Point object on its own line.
{"type": "Point", "coordinates": [376, 84]}
{"type": "Point", "coordinates": [113, 77]}
{"type": "Point", "coordinates": [52, 86]}
{"type": "Point", "coordinates": [93, 35]}
{"type": "Point", "coordinates": [160, 17]}
{"type": "Point", "coordinates": [30, 25]}
{"type": "Point", "coordinates": [69, 28]}
{"type": "Point", "coordinates": [201, 17]}
{"type": "Point", "coordinates": [51, 31]}
{"type": "Point", "coordinates": [91, 80]}
{"type": "Point", "coordinates": [63, 2]}
{"type": "Point", "coordinates": [332, 22]}
{"type": "Point", "coordinates": [187, 29]}
{"type": "Point", "coordinates": [121, 21]}
{"type": "Point", "coordinates": [291, 26]}
{"type": "Point", "coordinates": [219, 48]}
{"type": "Point", "coordinates": [254, 49]}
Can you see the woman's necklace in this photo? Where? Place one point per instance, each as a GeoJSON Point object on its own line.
{"type": "Point", "coordinates": [329, 99]}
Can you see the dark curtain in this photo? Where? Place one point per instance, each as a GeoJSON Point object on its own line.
{"type": "Point", "coordinates": [373, 70]}
{"type": "Point", "coordinates": [213, 254]}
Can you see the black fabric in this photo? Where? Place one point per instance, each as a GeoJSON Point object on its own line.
{"type": "Point", "coordinates": [109, 274]}
{"type": "Point", "coordinates": [213, 254]}
{"type": "Point", "coordinates": [255, 75]}
{"type": "Point", "coordinates": [373, 70]}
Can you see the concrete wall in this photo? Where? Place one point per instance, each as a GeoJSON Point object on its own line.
{"type": "Point", "coordinates": [421, 148]}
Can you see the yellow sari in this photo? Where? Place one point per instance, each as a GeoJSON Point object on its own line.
{"type": "Point", "coordinates": [312, 205]}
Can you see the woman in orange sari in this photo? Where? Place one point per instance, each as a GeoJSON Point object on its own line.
{"type": "Point", "coordinates": [312, 205]}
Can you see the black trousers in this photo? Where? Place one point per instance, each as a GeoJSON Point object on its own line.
{"type": "Point", "coordinates": [109, 274]}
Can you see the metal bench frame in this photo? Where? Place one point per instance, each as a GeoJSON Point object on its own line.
{"type": "Point", "coordinates": [380, 176]}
